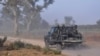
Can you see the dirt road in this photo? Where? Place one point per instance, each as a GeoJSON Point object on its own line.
{"type": "Point", "coordinates": [92, 49]}
{"type": "Point", "coordinates": [31, 41]}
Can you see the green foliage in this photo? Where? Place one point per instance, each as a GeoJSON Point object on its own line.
{"type": "Point", "coordinates": [35, 47]}
{"type": "Point", "coordinates": [46, 51]}
{"type": "Point", "coordinates": [56, 52]}
{"type": "Point", "coordinates": [16, 45]}
{"type": "Point", "coordinates": [28, 46]}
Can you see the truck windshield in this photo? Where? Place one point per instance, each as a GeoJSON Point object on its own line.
{"type": "Point", "coordinates": [52, 30]}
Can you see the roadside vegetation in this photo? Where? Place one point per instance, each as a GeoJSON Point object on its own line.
{"type": "Point", "coordinates": [19, 48]}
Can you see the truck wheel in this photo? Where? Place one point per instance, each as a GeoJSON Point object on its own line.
{"type": "Point", "coordinates": [47, 44]}
{"type": "Point", "coordinates": [59, 47]}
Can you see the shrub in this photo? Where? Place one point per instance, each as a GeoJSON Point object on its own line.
{"type": "Point", "coordinates": [16, 45]}
{"type": "Point", "coordinates": [51, 51]}
{"type": "Point", "coordinates": [36, 47]}
{"type": "Point", "coordinates": [56, 52]}
{"type": "Point", "coordinates": [45, 50]}
{"type": "Point", "coordinates": [30, 46]}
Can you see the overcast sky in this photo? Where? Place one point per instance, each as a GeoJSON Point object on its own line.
{"type": "Point", "coordinates": [82, 11]}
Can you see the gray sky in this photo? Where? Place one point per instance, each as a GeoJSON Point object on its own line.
{"type": "Point", "coordinates": [82, 11]}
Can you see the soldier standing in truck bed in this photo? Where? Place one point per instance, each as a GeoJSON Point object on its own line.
{"type": "Point", "coordinates": [75, 29]}
{"type": "Point", "coordinates": [63, 29]}
{"type": "Point", "coordinates": [58, 32]}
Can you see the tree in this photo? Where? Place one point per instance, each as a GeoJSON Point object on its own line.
{"type": "Point", "coordinates": [28, 9]}
{"type": "Point", "coordinates": [44, 24]}
{"type": "Point", "coordinates": [98, 22]}
{"type": "Point", "coordinates": [33, 12]}
{"type": "Point", "coordinates": [11, 10]}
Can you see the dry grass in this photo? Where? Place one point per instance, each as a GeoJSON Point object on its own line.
{"type": "Point", "coordinates": [25, 52]}
{"type": "Point", "coordinates": [19, 48]}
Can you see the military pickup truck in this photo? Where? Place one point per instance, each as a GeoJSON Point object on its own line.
{"type": "Point", "coordinates": [62, 36]}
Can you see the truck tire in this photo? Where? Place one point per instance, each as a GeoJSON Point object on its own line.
{"type": "Point", "coordinates": [59, 47]}
{"type": "Point", "coordinates": [47, 44]}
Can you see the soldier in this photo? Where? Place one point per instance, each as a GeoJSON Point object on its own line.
{"type": "Point", "coordinates": [58, 26]}
{"type": "Point", "coordinates": [63, 29]}
{"type": "Point", "coordinates": [63, 26]}
{"type": "Point", "coordinates": [75, 29]}
{"type": "Point", "coordinates": [56, 32]}
{"type": "Point", "coordinates": [75, 26]}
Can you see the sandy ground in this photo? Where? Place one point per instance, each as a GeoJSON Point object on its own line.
{"type": "Point", "coordinates": [26, 52]}
{"type": "Point", "coordinates": [90, 48]}
{"type": "Point", "coordinates": [31, 41]}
